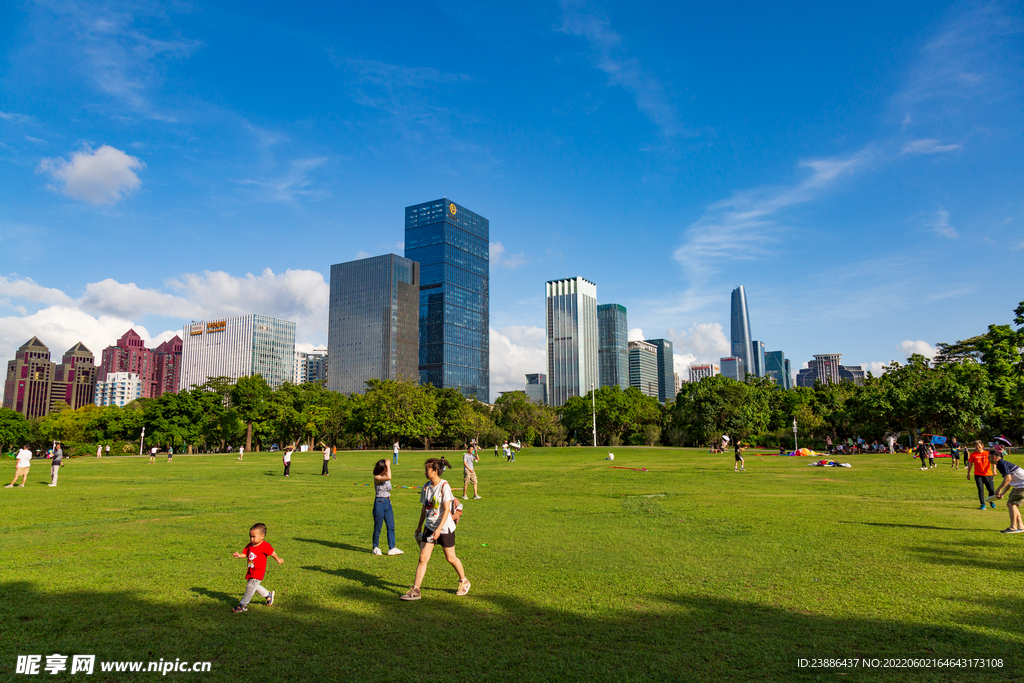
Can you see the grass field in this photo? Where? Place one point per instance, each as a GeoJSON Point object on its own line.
{"type": "Point", "coordinates": [580, 572]}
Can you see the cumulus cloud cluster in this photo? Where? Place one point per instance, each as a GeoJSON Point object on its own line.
{"type": "Point", "coordinates": [102, 176]}
{"type": "Point", "coordinates": [108, 308]}
{"type": "Point", "coordinates": [516, 351]}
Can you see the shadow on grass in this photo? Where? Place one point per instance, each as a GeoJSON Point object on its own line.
{"type": "Point", "coordinates": [972, 556]}
{"type": "Point", "coordinates": [217, 595]}
{"type": "Point", "coordinates": [367, 580]}
{"type": "Point", "coordinates": [334, 544]}
{"type": "Point", "coordinates": [913, 526]}
{"type": "Point", "coordinates": [370, 635]}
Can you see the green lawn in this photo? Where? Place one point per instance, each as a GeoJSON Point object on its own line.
{"type": "Point", "coordinates": [580, 572]}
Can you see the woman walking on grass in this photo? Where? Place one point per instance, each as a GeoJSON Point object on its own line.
{"type": "Point", "coordinates": [382, 510]}
{"type": "Point", "coordinates": [438, 526]}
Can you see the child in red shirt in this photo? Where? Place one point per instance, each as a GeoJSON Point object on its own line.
{"type": "Point", "coordinates": [256, 553]}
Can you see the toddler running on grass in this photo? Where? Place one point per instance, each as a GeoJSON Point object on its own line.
{"type": "Point", "coordinates": [256, 553]}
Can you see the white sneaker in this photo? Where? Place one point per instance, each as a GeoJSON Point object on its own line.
{"type": "Point", "coordinates": [51, 485]}
{"type": "Point", "coordinates": [465, 498]}
{"type": "Point", "coordinates": [476, 497]}
{"type": "Point", "coordinates": [376, 551]}
{"type": "Point", "coordinates": [394, 551]}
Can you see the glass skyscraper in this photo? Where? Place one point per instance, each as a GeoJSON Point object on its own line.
{"type": "Point", "coordinates": [572, 338]}
{"type": "Point", "coordinates": [777, 367]}
{"type": "Point", "coordinates": [757, 356]}
{"type": "Point", "coordinates": [373, 323]}
{"type": "Point", "coordinates": [666, 369]}
{"type": "Point", "coordinates": [613, 350]}
{"type": "Point", "coordinates": [245, 345]}
{"type": "Point", "coordinates": [643, 367]}
{"type": "Point", "coordinates": [739, 332]}
{"type": "Point", "coordinates": [451, 244]}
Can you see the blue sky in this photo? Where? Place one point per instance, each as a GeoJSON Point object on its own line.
{"type": "Point", "coordinates": [857, 168]}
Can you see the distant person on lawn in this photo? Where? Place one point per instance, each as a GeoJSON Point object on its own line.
{"type": "Point", "coordinates": [738, 457]}
{"type": "Point", "coordinates": [56, 463]}
{"type": "Point", "coordinates": [954, 454]}
{"type": "Point", "coordinates": [1013, 478]}
{"type": "Point", "coordinates": [241, 452]}
{"type": "Point", "coordinates": [21, 469]}
{"type": "Point", "coordinates": [287, 460]}
{"type": "Point", "coordinates": [152, 454]}
{"type": "Point", "coordinates": [469, 473]}
{"type": "Point", "coordinates": [922, 452]}
{"type": "Point", "coordinates": [438, 527]}
{"type": "Point", "coordinates": [327, 459]}
{"type": "Point", "coordinates": [256, 553]}
{"type": "Point", "coordinates": [383, 513]}
{"type": "Point", "coordinates": [982, 472]}
{"type": "Point", "coordinates": [394, 452]}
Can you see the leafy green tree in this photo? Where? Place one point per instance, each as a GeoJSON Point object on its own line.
{"type": "Point", "coordinates": [250, 396]}
{"type": "Point", "coordinates": [402, 410]}
{"type": "Point", "coordinates": [14, 429]}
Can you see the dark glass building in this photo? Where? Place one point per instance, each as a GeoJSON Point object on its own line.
{"type": "Point", "coordinates": [666, 369]}
{"type": "Point", "coordinates": [612, 348]}
{"type": "Point", "coordinates": [757, 357]}
{"type": "Point", "coordinates": [451, 243]}
{"type": "Point", "coordinates": [373, 323]}
{"type": "Point", "coordinates": [643, 367]}
{"type": "Point", "coordinates": [777, 367]}
{"type": "Point", "coordinates": [739, 332]}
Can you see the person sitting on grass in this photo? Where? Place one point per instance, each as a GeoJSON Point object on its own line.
{"type": "Point", "coordinates": [1013, 477]}
{"type": "Point", "coordinates": [438, 527]}
{"type": "Point", "coordinates": [21, 469]}
{"type": "Point", "coordinates": [256, 553]}
{"type": "Point", "coordinates": [982, 472]}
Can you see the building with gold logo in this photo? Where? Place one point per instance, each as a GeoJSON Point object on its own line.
{"type": "Point", "coordinates": [238, 347]}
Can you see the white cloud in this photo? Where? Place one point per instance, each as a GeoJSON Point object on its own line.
{"type": "Point", "coordinates": [103, 176]}
{"type": "Point", "coordinates": [362, 254]}
{"type": "Point", "coordinates": [516, 351]}
{"type": "Point", "coordinates": [624, 71]}
{"type": "Point", "coordinates": [743, 226]}
{"type": "Point", "coordinates": [636, 334]}
{"type": "Point", "coordinates": [938, 223]}
{"type": "Point", "coordinates": [27, 289]}
{"type": "Point", "coordinates": [928, 146]}
{"type": "Point", "coordinates": [108, 308]}
{"type": "Point", "coordinates": [921, 347]}
{"type": "Point", "coordinates": [293, 184]}
{"type": "Point", "coordinates": [498, 257]}
{"type": "Point", "coordinates": [876, 368]}
{"type": "Point", "coordinates": [61, 326]}
{"type": "Point", "coordinates": [705, 342]}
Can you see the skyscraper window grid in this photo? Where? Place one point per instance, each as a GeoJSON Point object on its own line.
{"type": "Point", "coordinates": [613, 350]}
{"type": "Point", "coordinates": [451, 244]}
{"type": "Point", "coordinates": [572, 338]}
{"type": "Point", "coordinates": [739, 332]}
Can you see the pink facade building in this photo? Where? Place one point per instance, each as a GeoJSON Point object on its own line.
{"type": "Point", "coordinates": [35, 384]}
{"type": "Point", "coordinates": [158, 369]}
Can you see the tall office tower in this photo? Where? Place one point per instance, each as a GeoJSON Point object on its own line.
{"type": "Point", "coordinates": [757, 351]}
{"type": "Point", "coordinates": [777, 367]}
{"type": "Point", "coordinates": [310, 367]}
{"type": "Point", "coordinates": [74, 379]}
{"type": "Point", "coordinates": [666, 369]}
{"type": "Point", "coordinates": [27, 387]}
{"type": "Point", "coordinates": [118, 389]}
{"type": "Point", "coordinates": [35, 384]}
{"type": "Point", "coordinates": [236, 347]}
{"type": "Point", "coordinates": [733, 368]}
{"type": "Point", "coordinates": [643, 367]}
{"type": "Point", "coordinates": [699, 372]}
{"type": "Point", "coordinates": [450, 243]}
{"type": "Point", "coordinates": [826, 368]}
{"type": "Point", "coordinates": [158, 369]}
{"type": "Point", "coordinates": [166, 375]}
{"type": "Point", "coordinates": [373, 329]}
{"type": "Point", "coordinates": [537, 388]}
{"type": "Point", "coordinates": [789, 374]}
{"type": "Point", "coordinates": [739, 332]}
{"type": "Point", "coordinates": [612, 350]}
{"type": "Point", "coordinates": [678, 383]}
{"type": "Point", "coordinates": [572, 338]}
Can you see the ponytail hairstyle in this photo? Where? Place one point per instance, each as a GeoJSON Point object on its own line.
{"type": "Point", "coordinates": [439, 465]}
{"type": "Point", "coordinates": [380, 467]}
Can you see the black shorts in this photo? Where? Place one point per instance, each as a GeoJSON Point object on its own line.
{"type": "Point", "coordinates": [738, 457]}
{"type": "Point", "coordinates": [444, 540]}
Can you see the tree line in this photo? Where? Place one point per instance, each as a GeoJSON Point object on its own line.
{"type": "Point", "coordinates": [972, 388]}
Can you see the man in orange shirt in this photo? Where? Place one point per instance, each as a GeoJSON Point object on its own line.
{"type": "Point", "coordinates": [982, 472]}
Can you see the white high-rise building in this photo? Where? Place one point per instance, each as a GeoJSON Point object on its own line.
{"type": "Point", "coordinates": [572, 338]}
{"type": "Point", "coordinates": [237, 347]}
{"type": "Point", "coordinates": [310, 367]}
{"type": "Point", "coordinates": [699, 372]}
{"type": "Point", "coordinates": [118, 389]}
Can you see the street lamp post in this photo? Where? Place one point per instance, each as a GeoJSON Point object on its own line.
{"type": "Point", "coordinates": [143, 439]}
{"type": "Point", "coordinates": [796, 446]}
{"type": "Point", "coordinates": [593, 408]}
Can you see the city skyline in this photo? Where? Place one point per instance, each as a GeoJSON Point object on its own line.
{"type": "Point", "coordinates": [670, 169]}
